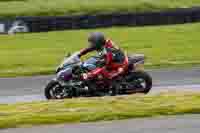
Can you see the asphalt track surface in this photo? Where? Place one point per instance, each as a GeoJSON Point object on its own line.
{"type": "Point", "coordinates": [27, 89]}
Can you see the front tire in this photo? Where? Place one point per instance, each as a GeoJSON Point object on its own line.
{"type": "Point", "coordinates": [54, 90]}
{"type": "Point", "coordinates": [48, 88]}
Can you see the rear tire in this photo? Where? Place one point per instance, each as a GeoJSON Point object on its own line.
{"type": "Point", "coordinates": [147, 79]}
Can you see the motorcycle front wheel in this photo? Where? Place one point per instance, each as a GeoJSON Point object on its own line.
{"type": "Point", "coordinates": [54, 90]}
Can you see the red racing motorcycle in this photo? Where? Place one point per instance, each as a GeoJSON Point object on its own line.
{"type": "Point", "coordinates": [68, 82]}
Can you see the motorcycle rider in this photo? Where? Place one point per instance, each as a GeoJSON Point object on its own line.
{"type": "Point", "coordinates": [115, 60]}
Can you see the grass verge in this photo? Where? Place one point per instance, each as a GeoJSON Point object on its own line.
{"type": "Point", "coordinates": [40, 53]}
{"type": "Point", "coordinates": [99, 109]}
{"type": "Point", "coordinates": [12, 8]}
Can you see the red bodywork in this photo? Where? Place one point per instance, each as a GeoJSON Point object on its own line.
{"type": "Point", "coordinates": [111, 72]}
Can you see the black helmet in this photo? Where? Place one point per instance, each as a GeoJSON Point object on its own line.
{"type": "Point", "coordinates": [97, 40]}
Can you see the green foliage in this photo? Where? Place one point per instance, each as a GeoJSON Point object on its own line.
{"type": "Point", "coordinates": [11, 0]}
{"type": "Point", "coordinates": [12, 8]}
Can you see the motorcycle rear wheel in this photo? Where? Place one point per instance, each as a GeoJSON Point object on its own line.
{"type": "Point", "coordinates": [144, 81]}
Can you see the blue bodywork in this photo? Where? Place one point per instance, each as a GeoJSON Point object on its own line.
{"type": "Point", "coordinates": [66, 72]}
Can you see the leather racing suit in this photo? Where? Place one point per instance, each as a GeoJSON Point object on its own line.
{"type": "Point", "coordinates": [115, 61]}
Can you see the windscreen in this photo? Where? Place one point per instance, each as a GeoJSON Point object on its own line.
{"type": "Point", "coordinates": [70, 60]}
